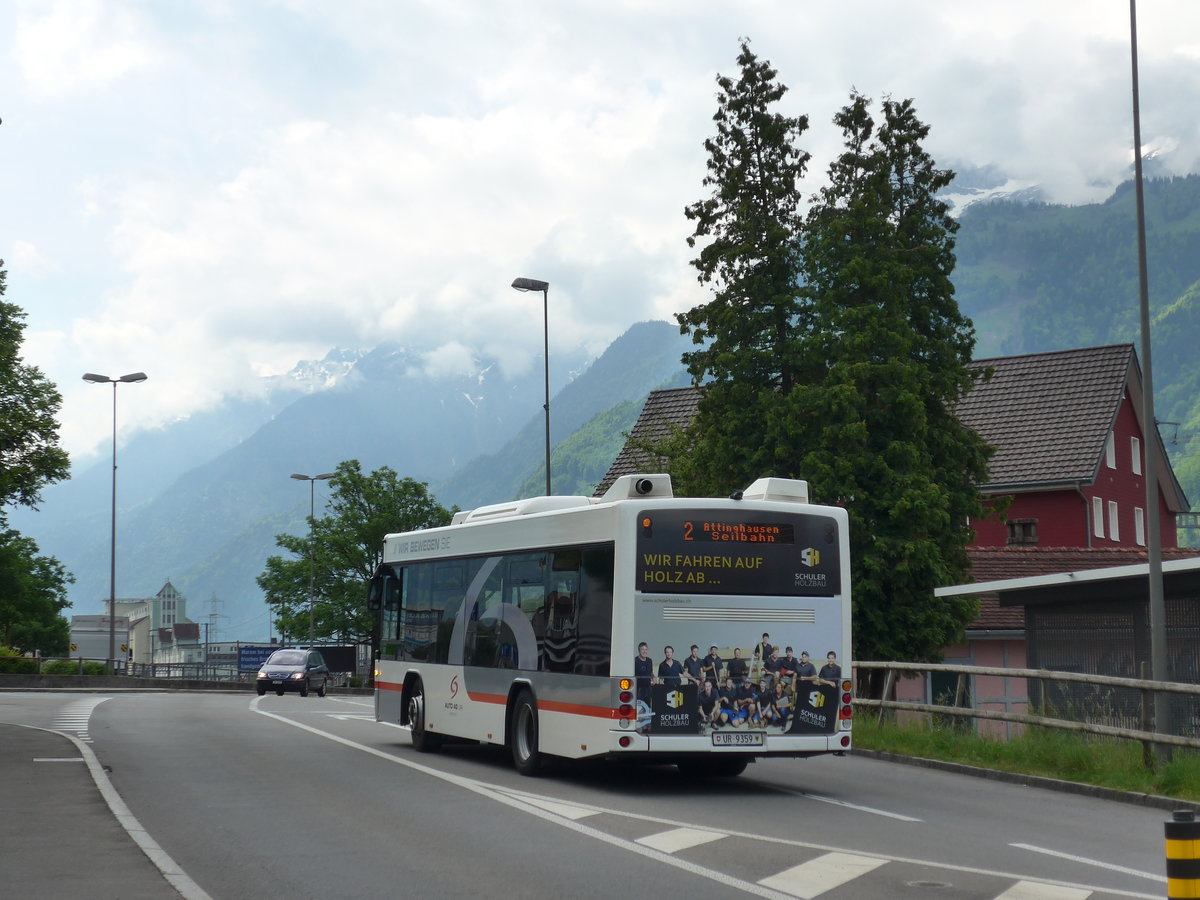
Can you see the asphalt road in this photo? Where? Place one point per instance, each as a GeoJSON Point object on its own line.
{"type": "Point", "coordinates": [236, 796]}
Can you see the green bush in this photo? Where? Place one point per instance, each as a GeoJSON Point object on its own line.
{"type": "Point", "coordinates": [71, 667]}
{"type": "Point", "coordinates": [60, 667]}
{"type": "Point", "coordinates": [13, 663]}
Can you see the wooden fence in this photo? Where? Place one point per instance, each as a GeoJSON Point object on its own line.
{"type": "Point", "coordinates": [1144, 733]}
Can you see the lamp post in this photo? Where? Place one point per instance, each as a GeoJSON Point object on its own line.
{"type": "Point", "coordinates": [134, 378]}
{"type": "Point", "coordinates": [1157, 603]}
{"type": "Point", "coordinates": [312, 513]}
{"type": "Point", "coordinates": [532, 284]}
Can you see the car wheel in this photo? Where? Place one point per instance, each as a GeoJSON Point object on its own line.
{"type": "Point", "coordinates": [279, 691]}
{"type": "Point", "coordinates": [261, 691]}
{"type": "Point", "coordinates": [423, 741]}
{"type": "Point", "coordinates": [304, 688]}
{"type": "Point", "coordinates": [321, 689]}
{"type": "Point", "coordinates": [523, 735]}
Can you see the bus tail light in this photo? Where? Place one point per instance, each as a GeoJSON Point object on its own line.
{"type": "Point", "coordinates": [846, 713]}
{"type": "Point", "coordinates": [626, 711]}
{"type": "Point", "coordinates": [626, 696]}
{"type": "Point", "coordinates": [624, 740]}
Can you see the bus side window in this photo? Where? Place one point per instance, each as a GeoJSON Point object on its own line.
{"type": "Point", "coordinates": [594, 655]}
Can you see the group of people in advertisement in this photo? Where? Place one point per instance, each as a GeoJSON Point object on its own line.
{"type": "Point", "coordinates": [768, 692]}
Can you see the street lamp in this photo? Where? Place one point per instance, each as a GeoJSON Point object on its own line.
{"type": "Point", "coordinates": [133, 378]}
{"type": "Point", "coordinates": [532, 284]}
{"type": "Point", "coordinates": [1159, 669]}
{"type": "Point", "coordinates": [312, 496]}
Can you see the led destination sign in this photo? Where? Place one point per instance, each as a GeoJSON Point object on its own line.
{"type": "Point", "coordinates": [764, 553]}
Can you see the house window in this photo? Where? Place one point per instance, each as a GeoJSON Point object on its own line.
{"type": "Point", "coordinates": [1097, 517]}
{"type": "Point", "coordinates": [1135, 447]}
{"type": "Point", "coordinates": [1139, 526]}
{"type": "Point", "coordinates": [1110, 452]}
{"type": "Point", "coordinates": [1114, 532]}
{"type": "Point", "coordinates": [1022, 531]}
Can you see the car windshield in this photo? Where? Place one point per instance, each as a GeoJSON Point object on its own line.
{"type": "Point", "coordinates": [288, 658]}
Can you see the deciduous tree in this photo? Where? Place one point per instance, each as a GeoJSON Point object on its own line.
{"type": "Point", "coordinates": [33, 594]}
{"type": "Point", "coordinates": [345, 548]}
{"type": "Point", "coordinates": [30, 456]}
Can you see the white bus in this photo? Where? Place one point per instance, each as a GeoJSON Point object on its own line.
{"type": "Point", "coordinates": [519, 625]}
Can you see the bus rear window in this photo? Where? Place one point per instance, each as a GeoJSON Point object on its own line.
{"type": "Point", "coordinates": [761, 553]}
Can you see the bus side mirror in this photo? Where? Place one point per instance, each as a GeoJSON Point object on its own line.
{"type": "Point", "coordinates": [375, 593]}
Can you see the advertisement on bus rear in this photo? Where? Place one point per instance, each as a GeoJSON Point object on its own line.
{"type": "Point", "coordinates": [740, 623]}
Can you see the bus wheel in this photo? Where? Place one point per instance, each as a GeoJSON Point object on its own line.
{"type": "Point", "coordinates": [713, 767]}
{"type": "Point", "coordinates": [523, 735]}
{"type": "Point", "coordinates": [422, 740]}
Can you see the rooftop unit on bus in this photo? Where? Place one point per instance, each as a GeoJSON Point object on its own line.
{"type": "Point", "coordinates": [634, 487]}
{"type": "Point", "coordinates": [785, 489]}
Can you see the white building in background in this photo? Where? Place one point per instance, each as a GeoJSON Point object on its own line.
{"type": "Point", "coordinates": [159, 629]}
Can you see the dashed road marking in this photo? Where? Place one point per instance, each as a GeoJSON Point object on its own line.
{"type": "Point", "coordinates": [1032, 890]}
{"type": "Point", "coordinates": [679, 839]}
{"type": "Point", "coordinates": [815, 877]}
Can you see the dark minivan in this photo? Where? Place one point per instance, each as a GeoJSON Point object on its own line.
{"type": "Point", "coordinates": [293, 670]}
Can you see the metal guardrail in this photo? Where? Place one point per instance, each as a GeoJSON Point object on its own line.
{"type": "Point", "coordinates": [1145, 734]}
{"type": "Point", "coordinates": [174, 671]}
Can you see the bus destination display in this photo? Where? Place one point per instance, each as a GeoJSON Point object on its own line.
{"type": "Point", "coordinates": [697, 552]}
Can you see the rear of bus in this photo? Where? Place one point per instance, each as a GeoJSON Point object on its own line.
{"type": "Point", "coordinates": [728, 577]}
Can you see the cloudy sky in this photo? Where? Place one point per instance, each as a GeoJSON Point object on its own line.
{"type": "Point", "coordinates": [210, 191]}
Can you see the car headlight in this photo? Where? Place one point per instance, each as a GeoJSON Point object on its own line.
{"type": "Point", "coordinates": [262, 675]}
{"type": "Point", "coordinates": [297, 676]}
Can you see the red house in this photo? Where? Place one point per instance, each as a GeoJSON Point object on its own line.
{"type": "Point", "coordinates": [1070, 450]}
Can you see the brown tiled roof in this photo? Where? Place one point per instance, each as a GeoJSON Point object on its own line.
{"type": "Point", "coordinates": [1048, 414]}
{"type": "Point", "coordinates": [1000, 563]}
{"type": "Point", "coordinates": [662, 410]}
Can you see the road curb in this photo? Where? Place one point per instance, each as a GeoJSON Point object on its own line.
{"type": "Point", "coordinates": [1135, 798]}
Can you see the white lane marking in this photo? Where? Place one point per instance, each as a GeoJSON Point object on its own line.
{"type": "Point", "coordinates": [350, 717]}
{"type": "Point", "coordinates": [1091, 862]}
{"type": "Point", "coordinates": [1031, 890]}
{"type": "Point", "coordinates": [835, 802]}
{"type": "Point", "coordinates": [58, 759]}
{"type": "Point", "coordinates": [815, 877]}
{"type": "Point", "coordinates": [679, 839]}
{"type": "Point", "coordinates": [170, 869]}
{"type": "Point", "coordinates": [523, 800]}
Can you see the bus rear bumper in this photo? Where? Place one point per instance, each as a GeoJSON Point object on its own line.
{"type": "Point", "coordinates": [753, 743]}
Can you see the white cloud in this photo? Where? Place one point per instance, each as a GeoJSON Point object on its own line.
{"type": "Point", "coordinates": [281, 179]}
{"type": "Point", "coordinates": [80, 46]}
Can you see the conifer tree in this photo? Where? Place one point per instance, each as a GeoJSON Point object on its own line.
{"type": "Point", "coordinates": [748, 230]}
{"type": "Point", "coordinates": [889, 356]}
{"type": "Point", "coordinates": [833, 351]}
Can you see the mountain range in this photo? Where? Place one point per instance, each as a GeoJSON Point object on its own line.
{"type": "Point", "coordinates": [202, 500]}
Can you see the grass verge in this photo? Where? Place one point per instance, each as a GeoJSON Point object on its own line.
{"type": "Point", "coordinates": [1086, 759]}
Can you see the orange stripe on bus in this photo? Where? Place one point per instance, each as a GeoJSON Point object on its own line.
{"type": "Point", "coordinates": [574, 709]}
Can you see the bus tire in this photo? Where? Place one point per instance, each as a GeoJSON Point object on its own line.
{"type": "Point", "coordinates": [423, 741]}
{"type": "Point", "coordinates": [713, 767]}
{"type": "Point", "coordinates": [523, 735]}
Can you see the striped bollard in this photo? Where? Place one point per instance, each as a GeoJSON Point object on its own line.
{"type": "Point", "coordinates": [1183, 855]}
